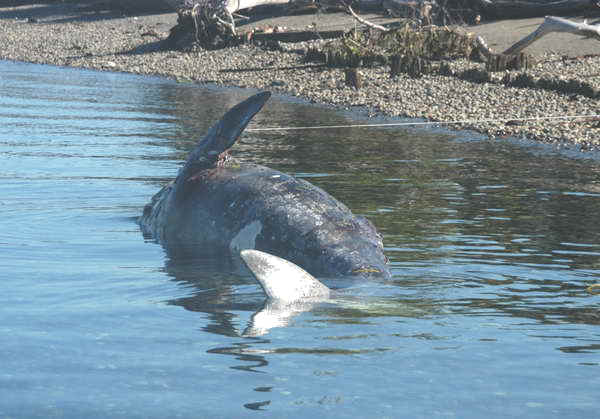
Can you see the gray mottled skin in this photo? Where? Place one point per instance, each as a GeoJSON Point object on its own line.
{"type": "Point", "coordinates": [229, 206]}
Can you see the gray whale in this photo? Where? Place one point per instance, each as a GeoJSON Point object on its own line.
{"type": "Point", "coordinates": [219, 205]}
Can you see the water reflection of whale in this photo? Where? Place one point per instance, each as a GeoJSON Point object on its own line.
{"type": "Point", "coordinates": [233, 305]}
{"type": "Point", "coordinates": [215, 286]}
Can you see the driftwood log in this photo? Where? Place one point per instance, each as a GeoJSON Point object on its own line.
{"type": "Point", "coordinates": [555, 24]}
{"type": "Point", "coordinates": [501, 62]}
{"type": "Point", "coordinates": [516, 9]}
{"type": "Point", "coordinates": [210, 24]}
{"type": "Point", "coordinates": [514, 58]}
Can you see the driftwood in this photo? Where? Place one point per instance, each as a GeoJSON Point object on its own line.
{"type": "Point", "coordinates": [234, 5]}
{"type": "Point", "coordinates": [515, 9]}
{"type": "Point", "coordinates": [353, 78]}
{"type": "Point", "coordinates": [555, 24]}
{"type": "Point", "coordinates": [230, 7]}
{"type": "Point", "coordinates": [501, 62]}
{"type": "Point", "coordinates": [405, 49]}
{"type": "Point", "coordinates": [416, 9]}
{"type": "Point", "coordinates": [364, 21]}
{"type": "Point", "coordinates": [210, 24]}
{"type": "Point", "coordinates": [293, 36]}
{"type": "Point", "coordinates": [511, 59]}
{"type": "Point", "coordinates": [413, 66]}
{"type": "Point", "coordinates": [514, 59]}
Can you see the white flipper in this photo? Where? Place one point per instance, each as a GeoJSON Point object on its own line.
{"type": "Point", "coordinates": [281, 279]}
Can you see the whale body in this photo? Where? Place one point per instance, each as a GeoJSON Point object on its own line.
{"type": "Point", "coordinates": [220, 205]}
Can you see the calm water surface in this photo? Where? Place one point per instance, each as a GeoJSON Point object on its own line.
{"type": "Point", "coordinates": [492, 247]}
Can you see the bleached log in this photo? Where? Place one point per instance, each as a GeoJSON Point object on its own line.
{"type": "Point", "coordinates": [211, 23]}
{"type": "Point", "coordinates": [555, 24]}
{"type": "Point", "coordinates": [365, 21]}
{"type": "Point", "coordinates": [229, 7]}
{"type": "Point", "coordinates": [235, 5]}
{"type": "Point", "coordinates": [483, 47]}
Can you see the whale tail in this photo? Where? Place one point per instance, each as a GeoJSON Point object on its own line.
{"type": "Point", "coordinates": [281, 279]}
{"type": "Point", "coordinates": [224, 134]}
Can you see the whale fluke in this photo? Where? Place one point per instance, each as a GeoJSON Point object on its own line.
{"type": "Point", "coordinates": [223, 134]}
{"type": "Point", "coordinates": [281, 279]}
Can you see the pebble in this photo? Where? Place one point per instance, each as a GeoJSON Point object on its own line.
{"type": "Point", "coordinates": [117, 44]}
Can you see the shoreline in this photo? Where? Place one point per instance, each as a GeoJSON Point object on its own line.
{"type": "Point", "coordinates": [65, 35]}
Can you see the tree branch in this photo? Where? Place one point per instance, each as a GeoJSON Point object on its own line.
{"type": "Point", "coordinates": [364, 21]}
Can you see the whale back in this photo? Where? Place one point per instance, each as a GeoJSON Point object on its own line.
{"type": "Point", "coordinates": [247, 206]}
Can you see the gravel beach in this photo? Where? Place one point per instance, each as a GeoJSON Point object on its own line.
{"type": "Point", "coordinates": [86, 35]}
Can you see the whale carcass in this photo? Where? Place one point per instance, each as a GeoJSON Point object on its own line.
{"type": "Point", "coordinates": [217, 204]}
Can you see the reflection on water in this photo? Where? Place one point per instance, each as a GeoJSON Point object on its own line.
{"type": "Point", "coordinates": [493, 250]}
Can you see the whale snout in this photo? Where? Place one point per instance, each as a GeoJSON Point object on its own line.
{"type": "Point", "coordinates": [359, 260]}
{"type": "Point", "coordinates": [372, 268]}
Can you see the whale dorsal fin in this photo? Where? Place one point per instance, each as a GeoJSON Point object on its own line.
{"type": "Point", "coordinates": [223, 134]}
{"type": "Point", "coordinates": [281, 279]}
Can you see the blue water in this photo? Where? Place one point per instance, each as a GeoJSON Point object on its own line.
{"type": "Point", "coordinates": [492, 247]}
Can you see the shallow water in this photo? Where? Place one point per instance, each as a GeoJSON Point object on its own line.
{"type": "Point", "coordinates": [492, 247]}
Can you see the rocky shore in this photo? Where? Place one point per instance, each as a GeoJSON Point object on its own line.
{"type": "Point", "coordinates": [91, 37]}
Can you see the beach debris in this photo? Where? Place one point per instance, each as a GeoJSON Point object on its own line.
{"type": "Point", "coordinates": [555, 24]}
{"type": "Point", "coordinates": [420, 43]}
{"type": "Point", "coordinates": [210, 24]}
{"type": "Point", "coordinates": [372, 47]}
{"type": "Point", "coordinates": [353, 78]}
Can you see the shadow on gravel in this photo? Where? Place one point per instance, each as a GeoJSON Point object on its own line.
{"type": "Point", "coordinates": [15, 3]}
{"type": "Point", "coordinates": [142, 49]}
{"type": "Point", "coordinates": [145, 48]}
{"type": "Point", "coordinates": [58, 13]}
{"type": "Point", "coordinates": [52, 12]}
